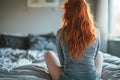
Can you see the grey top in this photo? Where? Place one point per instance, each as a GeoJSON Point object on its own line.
{"type": "Point", "coordinates": [80, 68]}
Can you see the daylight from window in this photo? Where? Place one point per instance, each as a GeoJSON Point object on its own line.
{"type": "Point", "coordinates": [116, 18]}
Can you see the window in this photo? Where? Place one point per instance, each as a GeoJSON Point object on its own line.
{"type": "Point", "coordinates": [115, 17]}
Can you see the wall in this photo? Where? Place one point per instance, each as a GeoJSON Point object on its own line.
{"type": "Point", "coordinates": [93, 4]}
{"type": "Point", "coordinates": [16, 17]}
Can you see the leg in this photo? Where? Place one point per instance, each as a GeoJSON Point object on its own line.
{"type": "Point", "coordinates": [53, 65]}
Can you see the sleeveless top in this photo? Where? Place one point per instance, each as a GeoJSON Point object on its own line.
{"type": "Point", "coordinates": [82, 69]}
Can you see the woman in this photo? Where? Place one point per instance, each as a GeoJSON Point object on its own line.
{"type": "Point", "coordinates": [78, 44]}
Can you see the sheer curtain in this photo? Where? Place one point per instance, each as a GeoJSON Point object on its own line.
{"type": "Point", "coordinates": [102, 22]}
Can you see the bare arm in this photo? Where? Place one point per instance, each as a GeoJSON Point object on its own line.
{"type": "Point", "coordinates": [99, 62]}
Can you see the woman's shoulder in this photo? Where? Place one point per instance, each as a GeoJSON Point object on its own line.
{"type": "Point", "coordinates": [58, 32]}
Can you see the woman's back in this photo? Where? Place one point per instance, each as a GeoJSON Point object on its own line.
{"type": "Point", "coordinates": [82, 69]}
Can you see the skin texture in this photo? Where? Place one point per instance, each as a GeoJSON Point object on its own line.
{"type": "Point", "coordinates": [53, 65]}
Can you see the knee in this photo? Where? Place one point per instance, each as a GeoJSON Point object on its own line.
{"type": "Point", "coordinates": [47, 54]}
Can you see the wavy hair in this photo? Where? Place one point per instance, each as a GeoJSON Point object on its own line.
{"type": "Point", "coordinates": [78, 29]}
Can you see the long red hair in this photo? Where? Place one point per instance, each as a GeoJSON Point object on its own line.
{"type": "Point", "coordinates": [78, 29]}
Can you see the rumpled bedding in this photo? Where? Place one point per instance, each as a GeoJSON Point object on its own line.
{"type": "Point", "coordinates": [28, 72]}
{"type": "Point", "coordinates": [111, 67]}
{"type": "Point", "coordinates": [16, 64]}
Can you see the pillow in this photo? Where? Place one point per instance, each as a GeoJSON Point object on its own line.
{"type": "Point", "coordinates": [2, 41]}
{"type": "Point", "coordinates": [37, 42]}
{"type": "Point", "coordinates": [49, 35]}
{"type": "Point", "coordinates": [40, 42]}
{"type": "Point", "coordinates": [14, 42]}
{"type": "Point", "coordinates": [50, 46]}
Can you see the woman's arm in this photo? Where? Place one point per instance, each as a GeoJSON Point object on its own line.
{"type": "Point", "coordinates": [99, 62]}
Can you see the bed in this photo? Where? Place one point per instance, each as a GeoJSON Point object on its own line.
{"type": "Point", "coordinates": [22, 58]}
{"type": "Point", "coordinates": [16, 64]}
{"type": "Point", "coordinates": [111, 67]}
